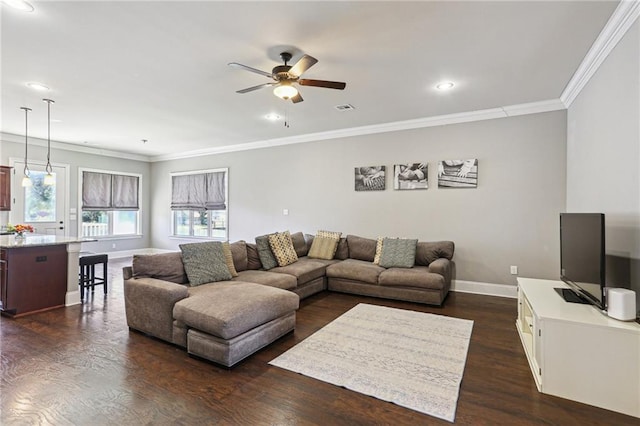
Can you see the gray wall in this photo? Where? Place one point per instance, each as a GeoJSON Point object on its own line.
{"type": "Point", "coordinates": [603, 157]}
{"type": "Point", "coordinates": [80, 159]}
{"type": "Point", "coordinates": [510, 219]}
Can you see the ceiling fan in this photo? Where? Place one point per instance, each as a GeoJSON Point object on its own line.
{"type": "Point", "coordinates": [285, 76]}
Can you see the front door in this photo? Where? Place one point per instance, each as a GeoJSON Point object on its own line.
{"type": "Point", "coordinates": [39, 205]}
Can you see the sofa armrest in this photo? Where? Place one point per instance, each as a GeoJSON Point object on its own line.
{"type": "Point", "coordinates": [149, 305]}
{"type": "Point", "coordinates": [442, 266]}
{"type": "Point", "coordinates": [127, 272]}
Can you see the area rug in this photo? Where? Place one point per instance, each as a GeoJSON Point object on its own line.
{"type": "Point", "coordinates": [412, 359]}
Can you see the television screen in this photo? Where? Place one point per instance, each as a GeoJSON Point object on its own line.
{"type": "Point", "coordinates": [582, 255]}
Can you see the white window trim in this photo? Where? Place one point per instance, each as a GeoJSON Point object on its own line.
{"type": "Point", "coordinates": [140, 203]}
{"type": "Point", "coordinates": [172, 231]}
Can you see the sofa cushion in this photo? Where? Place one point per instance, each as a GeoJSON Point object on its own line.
{"type": "Point", "coordinates": [398, 253]}
{"type": "Point", "coordinates": [299, 244]}
{"type": "Point", "coordinates": [329, 234]}
{"type": "Point", "coordinates": [253, 258]}
{"type": "Point", "coordinates": [323, 247]}
{"type": "Point", "coordinates": [239, 253]}
{"type": "Point", "coordinates": [427, 252]}
{"type": "Point", "coordinates": [204, 262]}
{"type": "Point", "coordinates": [267, 259]}
{"type": "Point", "coordinates": [282, 248]}
{"type": "Point", "coordinates": [246, 306]}
{"type": "Point", "coordinates": [304, 270]}
{"type": "Point", "coordinates": [342, 251]}
{"type": "Point", "coordinates": [376, 258]}
{"type": "Point", "coordinates": [270, 278]}
{"type": "Point", "coordinates": [228, 258]}
{"type": "Point", "coordinates": [357, 270]}
{"type": "Point", "coordinates": [361, 248]}
{"type": "Point", "coordinates": [418, 276]}
{"type": "Point", "coordinates": [164, 266]}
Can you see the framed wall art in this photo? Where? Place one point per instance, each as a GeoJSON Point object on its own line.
{"type": "Point", "coordinates": [410, 176]}
{"type": "Point", "coordinates": [370, 178]}
{"type": "Point", "coordinates": [458, 173]}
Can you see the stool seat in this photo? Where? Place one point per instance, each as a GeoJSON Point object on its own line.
{"type": "Point", "coordinates": [88, 278]}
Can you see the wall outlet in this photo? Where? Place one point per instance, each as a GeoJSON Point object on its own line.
{"type": "Point", "coordinates": [114, 246]}
{"type": "Point", "coordinates": [514, 270]}
{"type": "Point", "coordinates": [285, 212]}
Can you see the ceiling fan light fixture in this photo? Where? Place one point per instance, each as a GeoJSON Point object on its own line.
{"type": "Point", "coordinates": [285, 91]}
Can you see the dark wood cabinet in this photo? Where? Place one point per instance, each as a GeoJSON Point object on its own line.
{"type": "Point", "coordinates": [5, 188]}
{"type": "Point", "coordinates": [33, 279]}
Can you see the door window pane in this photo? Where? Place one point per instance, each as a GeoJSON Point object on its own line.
{"type": "Point", "coordinates": [39, 199]}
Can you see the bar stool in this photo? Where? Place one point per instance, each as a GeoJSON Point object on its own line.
{"type": "Point", "coordinates": [88, 277]}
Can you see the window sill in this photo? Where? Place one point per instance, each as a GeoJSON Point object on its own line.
{"type": "Point", "coordinates": [190, 237]}
{"type": "Point", "coordinates": [115, 237]}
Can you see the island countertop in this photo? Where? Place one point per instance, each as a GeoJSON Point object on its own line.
{"type": "Point", "coordinates": [35, 240]}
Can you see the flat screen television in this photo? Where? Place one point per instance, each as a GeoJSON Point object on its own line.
{"type": "Point", "coordinates": [582, 256]}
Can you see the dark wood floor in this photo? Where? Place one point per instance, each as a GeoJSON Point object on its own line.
{"type": "Point", "coordinates": [82, 366]}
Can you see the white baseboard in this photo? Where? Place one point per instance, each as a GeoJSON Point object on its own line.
{"type": "Point", "coordinates": [129, 253]}
{"type": "Point", "coordinates": [488, 289]}
{"type": "Point", "coordinates": [72, 298]}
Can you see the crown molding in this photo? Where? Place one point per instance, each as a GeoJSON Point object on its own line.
{"type": "Point", "coordinates": [10, 137]}
{"type": "Point", "coordinates": [440, 120]}
{"type": "Point", "coordinates": [619, 23]}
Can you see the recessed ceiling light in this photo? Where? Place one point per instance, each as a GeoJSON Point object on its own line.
{"type": "Point", "coordinates": [37, 86]}
{"type": "Point", "coordinates": [445, 85]}
{"type": "Point", "coordinates": [272, 117]}
{"type": "Point", "coordinates": [19, 5]}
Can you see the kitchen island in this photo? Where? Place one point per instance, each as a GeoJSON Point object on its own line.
{"type": "Point", "coordinates": [38, 273]}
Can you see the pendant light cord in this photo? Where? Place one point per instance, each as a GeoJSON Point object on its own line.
{"type": "Point", "coordinates": [26, 139]}
{"type": "Point", "coordinates": [49, 169]}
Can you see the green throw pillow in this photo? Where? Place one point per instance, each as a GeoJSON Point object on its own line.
{"type": "Point", "coordinates": [204, 262]}
{"type": "Point", "coordinates": [267, 258]}
{"type": "Point", "coordinates": [398, 253]}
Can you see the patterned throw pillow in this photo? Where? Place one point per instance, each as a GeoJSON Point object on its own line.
{"type": "Point", "coordinates": [228, 258]}
{"type": "Point", "coordinates": [329, 234]}
{"type": "Point", "coordinates": [267, 258]}
{"type": "Point", "coordinates": [376, 259]}
{"type": "Point", "coordinates": [323, 248]}
{"type": "Point", "coordinates": [282, 248]}
{"type": "Point", "coordinates": [204, 262]}
{"type": "Point", "coordinates": [398, 253]}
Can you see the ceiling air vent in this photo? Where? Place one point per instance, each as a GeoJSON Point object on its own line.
{"type": "Point", "coordinates": [344, 107]}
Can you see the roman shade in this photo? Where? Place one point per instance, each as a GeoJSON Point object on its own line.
{"type": "Point", "coordinates": [107, 191]}
{"type": "Point", "coordinates": [201, 191]}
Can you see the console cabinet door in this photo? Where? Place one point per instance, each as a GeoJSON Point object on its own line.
{"type": "Point", "coordinates": [5, 188]}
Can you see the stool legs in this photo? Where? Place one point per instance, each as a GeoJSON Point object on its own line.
{"type": "Point", "coordinates": [88, 273]}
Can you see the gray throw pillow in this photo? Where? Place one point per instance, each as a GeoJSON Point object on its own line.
{"type": "Point", "coordinates": [164, 266]}
{"type": "Point", "coordinates": [398, 253]}
{"type": "Point", "coordinates": [204, 262]}
{"type": "Point", "coordinates": [267, 258]}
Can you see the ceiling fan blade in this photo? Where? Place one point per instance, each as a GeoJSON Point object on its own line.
{"type": "Point", "coordinates": [323, 83]}
{"type": "Point", "coordinates": [258, 87]}
{"type": "Point", "coordinates": [297, 98]}
{"type": "Point", "coordinates": [244, 67]}
{"type": "Point", "coordinates": [302, 65]}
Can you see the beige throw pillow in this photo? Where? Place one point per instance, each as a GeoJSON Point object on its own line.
{"type": "Point", "coordinates": [323, 248]}
{"type": "Point", "coordinates": [228, 258]}
{"type": "Point", "coordinates": [282, 248]}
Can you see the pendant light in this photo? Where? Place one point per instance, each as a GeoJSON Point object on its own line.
{"type": "Point", "coordinates": [26, 180]}
{"type": "Point", "coordinates": [49, 179]}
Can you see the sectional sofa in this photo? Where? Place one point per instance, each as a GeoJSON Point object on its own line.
{"type": "Point", "coordinates": [226, 321]}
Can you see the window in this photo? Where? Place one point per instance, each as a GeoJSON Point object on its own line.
{"type": "Point", "coordinates": [199, 204]}
{"type": "Point", "coordinates": [39, 199]}
{"type": "Point", "coordinates": [110, 204]}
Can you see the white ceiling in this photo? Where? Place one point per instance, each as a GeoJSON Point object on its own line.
{"type": "Point", "coordinates": [122, 71]}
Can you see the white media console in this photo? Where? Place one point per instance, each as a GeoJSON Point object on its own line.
{"type": "Point", "coordinates": [577, 352]}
